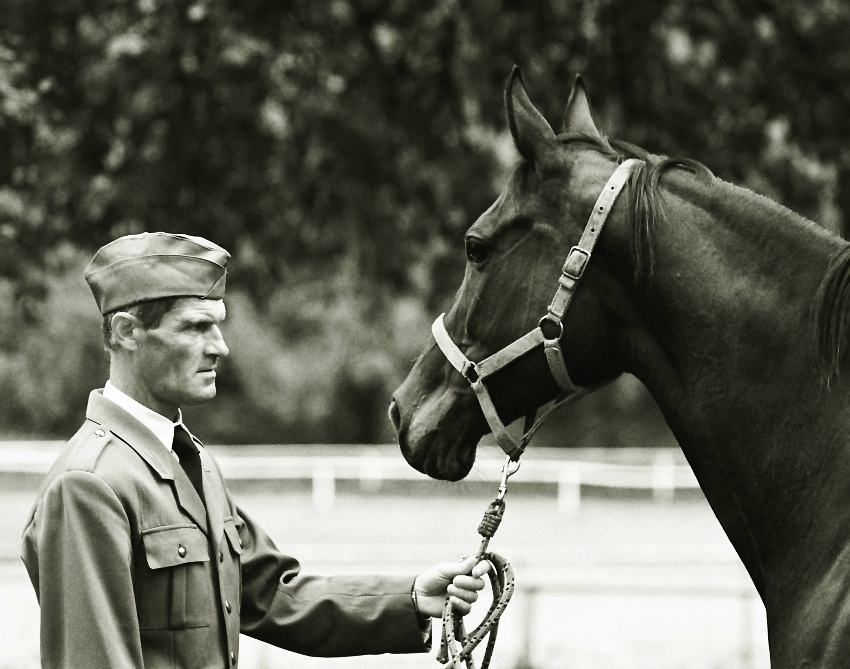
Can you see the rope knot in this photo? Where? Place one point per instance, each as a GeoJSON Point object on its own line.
{"type": "Point", "coordinates": [492, 518]}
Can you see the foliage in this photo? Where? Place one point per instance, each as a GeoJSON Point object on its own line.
{"type": "Point", "coordinates": [339, 149]}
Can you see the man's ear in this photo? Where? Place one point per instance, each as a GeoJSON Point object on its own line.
{"type": "Point", "coordinates": [125, 329]}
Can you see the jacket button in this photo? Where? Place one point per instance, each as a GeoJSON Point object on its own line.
{"type": "Point", "coordinates": [99, 433]}
{"type": "Point", "coordinates": [233, 659]}
{"type": "Point", "coordinates": [227, 605]}
{"type": "Point", "coordinates": [181, 550]}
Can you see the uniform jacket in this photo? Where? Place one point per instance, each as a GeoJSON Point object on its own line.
{"type": "Point", "coordinates": [131, 571]}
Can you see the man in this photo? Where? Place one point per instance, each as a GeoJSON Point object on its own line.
{"type": "Point", "coordinates": [137, 553]}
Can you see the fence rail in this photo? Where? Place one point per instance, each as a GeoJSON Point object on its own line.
{"type": "Point", "coordinates": [661, 477]}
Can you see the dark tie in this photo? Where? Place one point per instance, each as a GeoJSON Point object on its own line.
{"type": "Point", "coordinates": [190, 459]}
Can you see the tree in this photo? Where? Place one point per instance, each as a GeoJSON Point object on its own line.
{"type": "Point", "coordinates": [340, 149]}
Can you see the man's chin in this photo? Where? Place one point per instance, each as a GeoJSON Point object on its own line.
{"type": "Point", "coordinates": [201, 396]}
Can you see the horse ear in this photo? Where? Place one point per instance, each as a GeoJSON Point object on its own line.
{"type": "Point", "coordinates": [529, 129]}
{"type": "Point", "coordinates": [577, 117]}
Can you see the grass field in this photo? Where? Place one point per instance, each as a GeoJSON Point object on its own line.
{"type": "Point", "coordinates": [623, 582]}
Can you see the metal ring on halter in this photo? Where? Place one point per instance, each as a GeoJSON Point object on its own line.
{"type": "Point", "coordinates": [550, 319]}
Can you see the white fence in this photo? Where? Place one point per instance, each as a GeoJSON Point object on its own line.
{"type": "Point", "coordinates": [374, 466]}
{"type": "Point", "coordinates": [662, 478]}
{"type": "Point", "coordinates": [616, 584]}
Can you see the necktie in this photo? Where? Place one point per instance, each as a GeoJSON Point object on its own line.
{"type": "Point", "coordinates": [190, 459]}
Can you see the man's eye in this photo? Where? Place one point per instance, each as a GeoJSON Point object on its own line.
{"type": "Point", "coordinates": [476, 251]}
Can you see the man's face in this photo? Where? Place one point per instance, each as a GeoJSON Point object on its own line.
{"type": "Point", "coordinates": [175, 362]}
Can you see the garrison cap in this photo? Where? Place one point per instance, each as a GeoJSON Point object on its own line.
{"type": "Point", "coordinates": [152, 265]}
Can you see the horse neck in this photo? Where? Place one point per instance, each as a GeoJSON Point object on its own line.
{"type": "Point", "coordinates": [734, 282]}
{"type": "Point", "coordinates": [736, 274]}
{"type": "Point", "coordinates": [723, 341]}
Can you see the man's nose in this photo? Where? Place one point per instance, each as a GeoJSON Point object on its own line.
{"type": "Point", "coordinates": [215, 343]}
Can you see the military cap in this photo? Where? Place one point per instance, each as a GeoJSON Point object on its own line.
{"type": "Point", "coordinates": [152, 265]}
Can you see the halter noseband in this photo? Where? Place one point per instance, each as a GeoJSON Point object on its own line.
{"type": "Point", "coordinates": [476, 372]}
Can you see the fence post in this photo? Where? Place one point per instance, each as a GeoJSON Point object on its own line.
{"type": "Point", "coordinates": [523, 660]}
{"type": "Point", "coordinates": [371, 473]}
{"type": "Point", "coordinates": [569, 488]}
{"type": "Point", "coordinates": [747, 630]}
{"type": "Point", "coordinates": [663, 477]}
{"type": "Point", "coordinates": [324, 487]}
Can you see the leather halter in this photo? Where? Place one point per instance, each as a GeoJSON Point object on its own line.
{"type": "Point", "coordinates": [476, 372]}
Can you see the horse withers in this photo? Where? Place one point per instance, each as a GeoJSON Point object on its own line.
{"type": "Point", "coordinates": [731, 309]}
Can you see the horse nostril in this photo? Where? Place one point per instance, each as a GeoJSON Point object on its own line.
{"type": "Point", "coordinates": [395, 415]}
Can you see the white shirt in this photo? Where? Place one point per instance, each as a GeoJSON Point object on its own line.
{"type": "Point", "coordinates": [162, 427]}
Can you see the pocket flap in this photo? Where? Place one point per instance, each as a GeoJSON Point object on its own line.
{"type": "Point", "coordinates": [175, 544]}
{"type": "Point", "coordinates": [233, 536]}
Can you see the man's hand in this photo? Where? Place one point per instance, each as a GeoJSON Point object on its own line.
{"type": "Point", "coordinates": [461, 581]}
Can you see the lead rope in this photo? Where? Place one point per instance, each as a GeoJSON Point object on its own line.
{"type": "Point", "coordinates": [455, 645]}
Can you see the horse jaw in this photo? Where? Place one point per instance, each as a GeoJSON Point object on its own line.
{"type": "Point", "coordinates": [438, 425]}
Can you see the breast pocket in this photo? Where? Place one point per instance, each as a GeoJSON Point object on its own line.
{"type": "Point", "coordinates": [174, 588]}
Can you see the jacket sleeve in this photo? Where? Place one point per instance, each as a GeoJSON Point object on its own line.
{"type": "Point", "coordinates": [85, 588]}
{"type": "Point", "coordinates": [323, 616]}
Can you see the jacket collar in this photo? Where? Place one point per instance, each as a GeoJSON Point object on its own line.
{"type": "Point", "coordinates": [161, 426]}
{"type": "Point", "coordinates": [125, 427]}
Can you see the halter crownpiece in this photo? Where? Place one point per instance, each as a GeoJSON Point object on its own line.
{"type": "Point", "coordinates": [574, 266]}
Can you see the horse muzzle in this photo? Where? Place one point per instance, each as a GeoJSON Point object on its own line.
{"type": "Point", "coordinates": [438, 434]}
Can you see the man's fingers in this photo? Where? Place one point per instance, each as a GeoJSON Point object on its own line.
{"type": "Point", "coordinates": [468, 565]}
{"type": "Point", "coordinates": [481, 568]}
{"type": "Point", "coordinates": [460, 580]}
{"type": "Point", "coordinates": [466, 595]}
{"type": "Point", "coordinates": [460, 606]}
{"type": "Point", "coordinates": [468, 582]}
{"type": "Point", "coordinates": [464, 566]}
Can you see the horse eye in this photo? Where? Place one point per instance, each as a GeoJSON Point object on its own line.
{"type": "Point", "coordinates": [476, 251]}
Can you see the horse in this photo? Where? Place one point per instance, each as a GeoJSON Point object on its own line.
{"type": "Point", "coordinates": [731, 309]}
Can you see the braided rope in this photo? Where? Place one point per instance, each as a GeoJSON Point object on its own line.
{"type": "Point", "coordinates": [456, 645]}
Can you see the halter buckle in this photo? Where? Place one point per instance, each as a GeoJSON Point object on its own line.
{"type": "Point", "coordinates": [576, 262]}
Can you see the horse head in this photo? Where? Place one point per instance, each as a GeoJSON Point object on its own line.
{"type": "Point", "coordinates": [731, 309]}
{"type": "Point", "coordinates": [515, 253]}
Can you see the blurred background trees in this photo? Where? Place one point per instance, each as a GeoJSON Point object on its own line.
{"type": "Point", "coordinates": [339, 150]}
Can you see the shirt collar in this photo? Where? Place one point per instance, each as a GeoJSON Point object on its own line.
{"type": "Point", "coordinates": [162, 427]}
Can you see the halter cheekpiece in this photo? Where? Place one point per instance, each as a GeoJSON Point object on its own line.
{"type": "Point", "coordinates": [576, 263]}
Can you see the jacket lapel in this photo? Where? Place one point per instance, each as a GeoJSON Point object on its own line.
{"type": "Point", "coordinates": [187, 497]}
{"type": "Point", "coordinates": [214, 494]}
{"type": "Point", "coordinates": [111, 417]}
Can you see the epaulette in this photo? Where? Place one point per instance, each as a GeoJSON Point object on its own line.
{"type": "Point", "coordinates": [87, 445]}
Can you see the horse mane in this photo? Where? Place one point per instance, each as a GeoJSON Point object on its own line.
{"type": "Point", "coordinates": [831, 309]}
{"type": "Point", "coordinates": [646, 210]}
{"type": "Point", "coordinates": [831, 315]}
